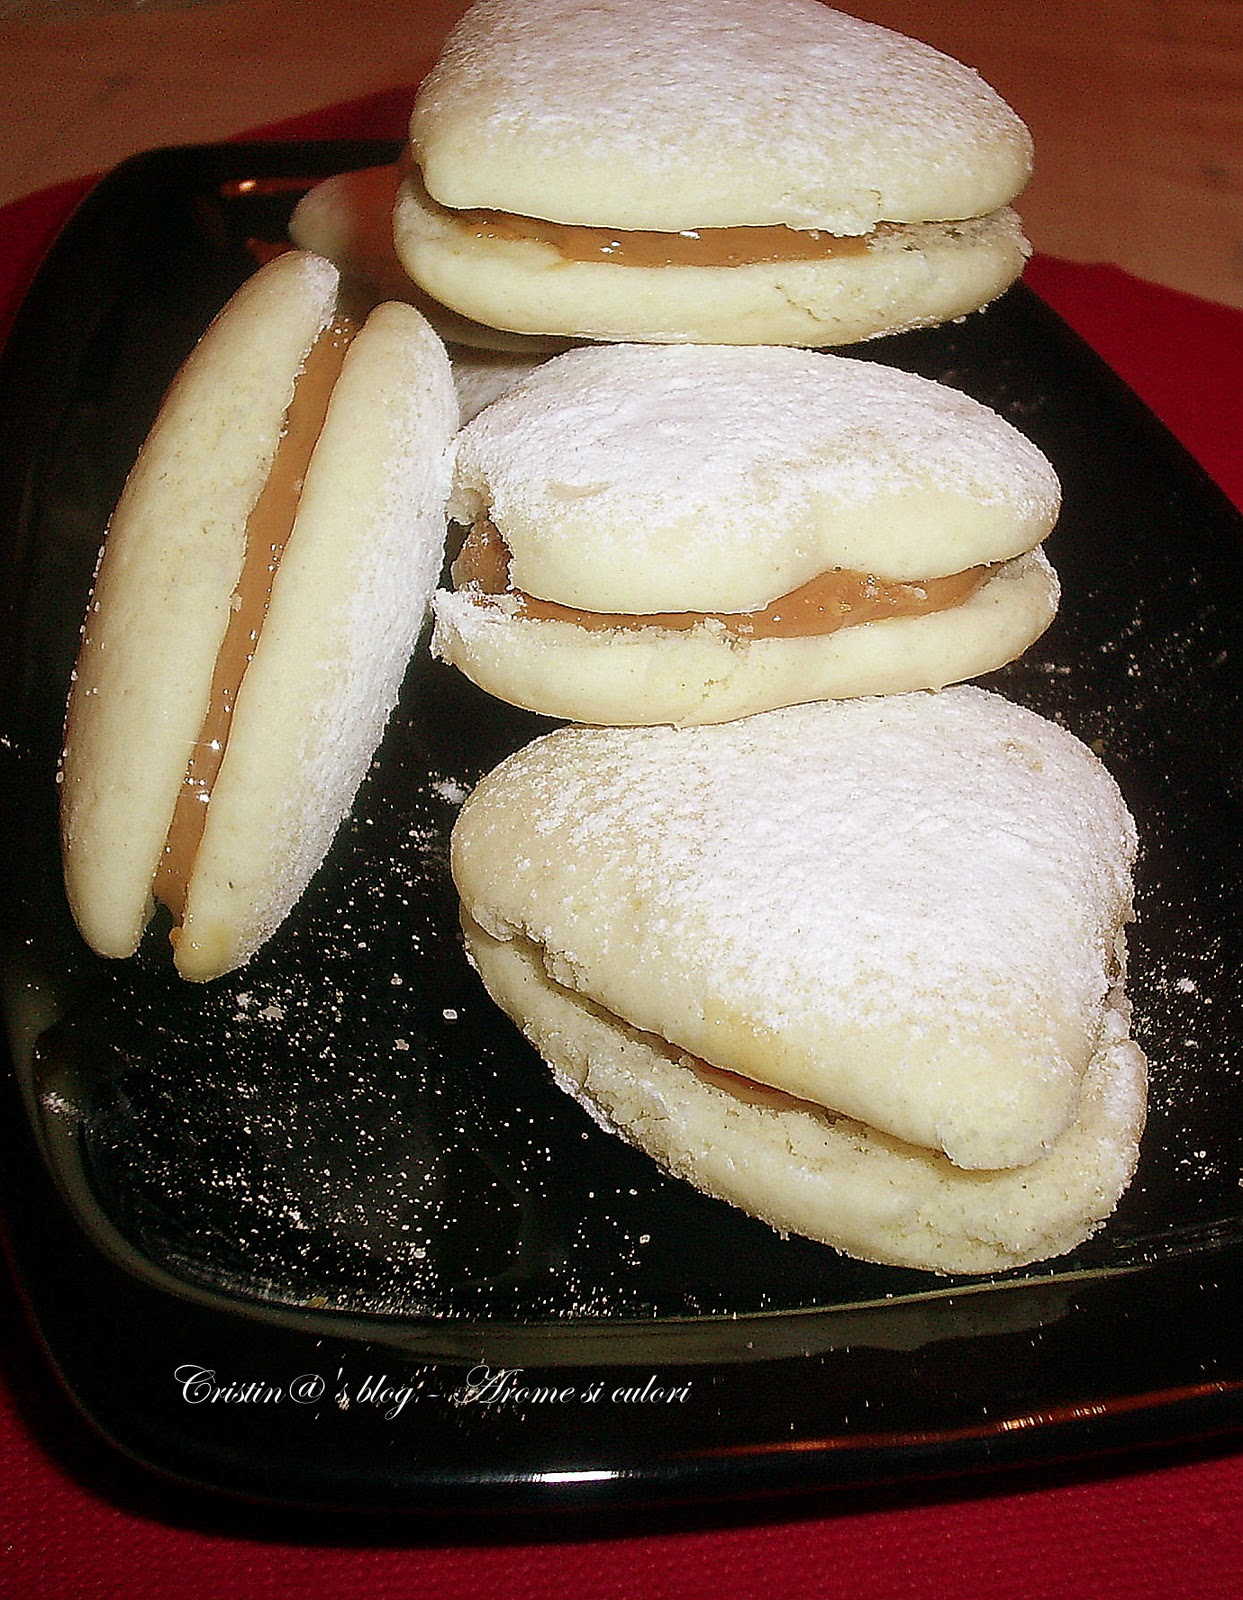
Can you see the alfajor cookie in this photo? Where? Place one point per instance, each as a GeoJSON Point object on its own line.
{"type": "Point", "coordinates": [260, 590]}
{"type": "Point", "coordinates": [855, 967]}
{"type": "Point", "coordinates": [694, 533]}
{"type": "Point", "coordinates": [720, 171]}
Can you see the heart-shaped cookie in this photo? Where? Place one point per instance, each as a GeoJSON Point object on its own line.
{"type": "Point", "coordinates": [855, 966]}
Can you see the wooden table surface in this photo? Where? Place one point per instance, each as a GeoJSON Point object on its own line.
{"type": "Point", "coordinates": [1136, 105]}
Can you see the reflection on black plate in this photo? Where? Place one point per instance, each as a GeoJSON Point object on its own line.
{"type": "Point", "coordinates": [339, 1178]}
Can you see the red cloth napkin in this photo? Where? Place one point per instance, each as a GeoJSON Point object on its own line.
{"type": "Point", "coordinates": [1182, 355]}
{"type": "Point", "coordinates": [75, 1522]}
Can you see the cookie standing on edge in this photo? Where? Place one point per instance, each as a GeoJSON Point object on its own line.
{"type": "Point", "coordinates": [715, 171]}
{"type": "Point", "coordinates": [263, 581]}
{"type": "Point", "coordinates": [694, 533]}
{"type": "Point", "coordinates": [855, 967]}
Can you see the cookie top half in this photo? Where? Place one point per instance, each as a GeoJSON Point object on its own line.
{"type": "Point", "coordinates": [678, 114]}
{"type": "Point", "coordinates": [644, 478]}
{"type": "Point", "coordinates": [903, 908]}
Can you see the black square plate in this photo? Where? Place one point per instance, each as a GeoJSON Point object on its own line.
{"type": "Point", "coordinates": [323, 1232]}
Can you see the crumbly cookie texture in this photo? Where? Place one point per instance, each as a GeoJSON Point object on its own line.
{"type": "Point", "coordinates": [672, 114]}
{"type": "Point", "coordinates": [905, 908]}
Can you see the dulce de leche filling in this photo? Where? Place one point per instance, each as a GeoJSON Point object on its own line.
{"type": "Point", "coordinates": [268, 529]}
{"type": "Point", "coordinates": [835, 599]}
{"type": "Point", "coordinates": [692, 247]}
{"type": "Point", "coordinates": [749, 1091]}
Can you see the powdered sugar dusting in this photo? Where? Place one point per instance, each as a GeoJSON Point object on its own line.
{"type": "Point", "coordinates": [869, 824]}
{"type": "Point", "coordinates": [681, 103]}
{"type": "Point", "coordinates": [636, 466]}
{"type": "Point", "coordinates": [948, 866]}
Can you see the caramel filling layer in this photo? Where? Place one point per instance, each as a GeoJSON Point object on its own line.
{"type": "Point", "coordinates": [835, 599]}
{"type": "Point", "coordinates": [267, 533]}
{"type": "Point", "coordinates": [749, 1091]}
{"type": "Point", "coordinates": [693, 247]}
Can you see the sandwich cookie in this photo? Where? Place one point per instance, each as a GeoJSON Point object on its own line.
{"type": "Point", "coordinates": [695, 533]}
{"type": "Point", "coordinates": [720, 171]}
{"type": "Point", "coordinates": [262, 584]}
{"type": "Point", "coordinates": [855, 967]}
